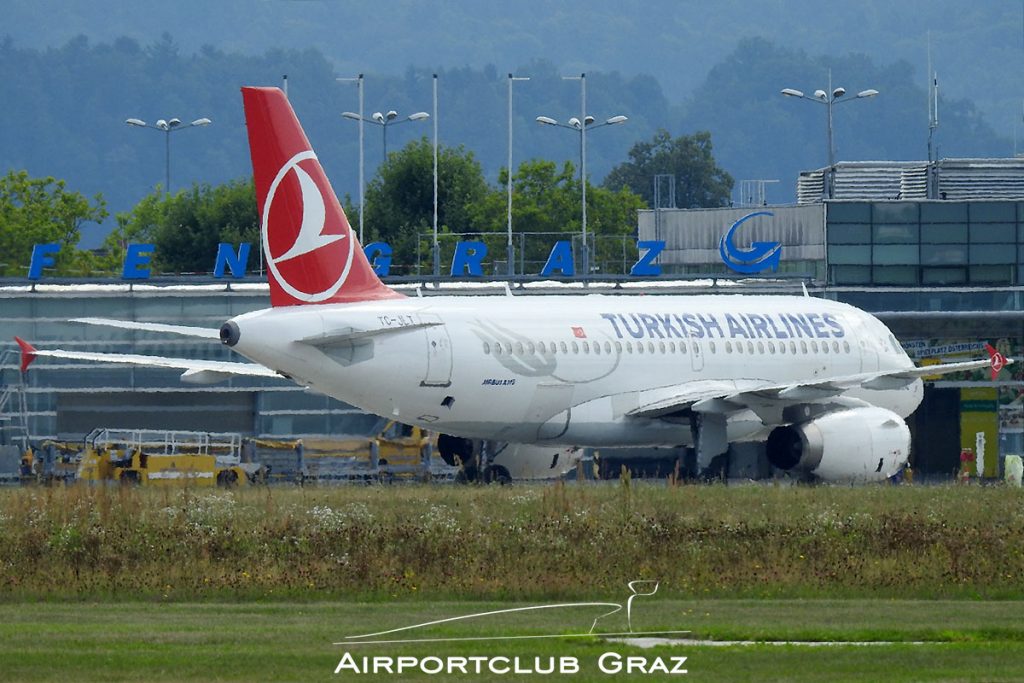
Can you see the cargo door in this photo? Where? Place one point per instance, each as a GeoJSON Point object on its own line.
{"type": "Point", "coordinates": [439, 354]}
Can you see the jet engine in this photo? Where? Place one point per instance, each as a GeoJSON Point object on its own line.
{"type": "Point", "coordinates": [855, 445]}
{"type": "Point", "coordinates": [455, 450]}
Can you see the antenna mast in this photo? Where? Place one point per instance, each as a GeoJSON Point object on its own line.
{"type": "Point", "coordinates": [1015, 154]}
{"type": "Point", "coordinates": [933, 102]}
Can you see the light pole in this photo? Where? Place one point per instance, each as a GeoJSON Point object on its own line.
{"type": "Point", "coordinates": [384, 120]}
{"type": "Point", "coordinates": [511, 250]}
{"type": "Point", "coordinates": [581, 125]}
{"type": "Point", "coordinates": [359, 83]}
{"type": "Point", "coordinates": [167, 127]}
{"type": "Point", "coordinates": [829, 99]}
{"type": "Point", "coordinates": [436, 247]}
{"type": "Point", "coordinates": [378, 119]}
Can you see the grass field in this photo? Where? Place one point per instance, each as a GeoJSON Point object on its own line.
{"type": "Point", "coordinates": [257, 584]}
{"type": "Point", "coordinates": [282, 641]}
{"type": "Point", "coordinates": [518, 542]}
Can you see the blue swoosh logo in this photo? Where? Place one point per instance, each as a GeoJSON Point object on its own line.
{"type": "Point", "coordinates": [759, 257]}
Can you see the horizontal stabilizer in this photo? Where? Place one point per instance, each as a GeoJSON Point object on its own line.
{"type": "Point", "coordinates": [195, 376]}
{"type": "Point", "coordinates": [193, 368]}
{"type": "Point", "coordinates": [185, 330]}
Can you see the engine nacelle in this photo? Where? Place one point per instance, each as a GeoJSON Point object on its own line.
{"type": "Point", "coordinates": [514, 460]}
{"type": "Point", "coordinates": [856, 445]}
{"type": "Point", "coordinates": [455, 450]}
{"type": "Point", "coordinates": [531, 461]}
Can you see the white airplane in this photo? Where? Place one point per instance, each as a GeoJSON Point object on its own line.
{"type": "Point", "coordinates": [825, 384]}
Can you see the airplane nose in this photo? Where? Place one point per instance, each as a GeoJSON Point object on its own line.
{"type": "Point", "coordinates": [229, 334]}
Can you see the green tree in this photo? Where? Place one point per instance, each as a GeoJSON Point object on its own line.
{"type": "Point", "coordinates": [700, 182]}
{"type": "Point", "coordinates": [546, 200]}
{"type": "Point", "coordinates": [400, 198]}
{"type": "Point", "coordinates": [186, 228]}
{"type": "Point", "coordinates": [38, 211]}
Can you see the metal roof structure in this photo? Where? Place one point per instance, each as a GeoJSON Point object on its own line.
{"type": "Point", "coordinates": [951, 179]}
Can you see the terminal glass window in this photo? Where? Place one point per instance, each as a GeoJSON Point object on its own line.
{"type": "Point", "coordinates": [944, 233]}
{"type": "Point", "coordinates": [925, 242]}
{"type": "Point", "coordinates": [940, 254]}
{"type": "Point", "coordinates": [895, 233]}
{"type": "Point", "coordinates": [895, 212]}
{"type": "Point", "coordinates": [943, 212]}
{"type": "Point", "coordinates": [849, 253]}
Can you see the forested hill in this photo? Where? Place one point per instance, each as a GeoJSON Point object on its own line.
{"type": "Point", "coordinates": [66, 108]}
{"type": "Point", "coordinates": [977, 46]}
{"type": "Point", "coordinates": [675, 65]}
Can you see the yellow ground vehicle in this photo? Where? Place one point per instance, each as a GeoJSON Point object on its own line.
{"type": "Point", "coordinates": [396, 450]}
{"type": "Point", "coordinates": [26, 467]}
{"type": "Point", "coordinates": [156, 458]}
{"type": "Point", "coordinates": [402, 446]}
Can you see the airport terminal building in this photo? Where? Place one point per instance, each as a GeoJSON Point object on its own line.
{"type": "Point", "coordinates": [934, 250]}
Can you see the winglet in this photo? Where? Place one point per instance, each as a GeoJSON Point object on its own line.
{"type": "Point", "coordinates": [997, 360]}
{"type": "Point", "coordinates": [28, 353]}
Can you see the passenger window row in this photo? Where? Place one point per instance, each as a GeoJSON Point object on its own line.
{"type": "Point", "coordinates": [749, 348]}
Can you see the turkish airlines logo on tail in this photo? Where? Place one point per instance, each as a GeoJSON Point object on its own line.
{"type": "Point", "coordinates": [315, 263]}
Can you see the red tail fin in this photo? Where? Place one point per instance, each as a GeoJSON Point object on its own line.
{"type": "Point", "coordinates": [311, 252]}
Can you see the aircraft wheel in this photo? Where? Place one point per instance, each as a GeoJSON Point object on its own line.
{"type": "Point", "coordinates": [467, 475]}
{"type": "Point", "coordinates": [497, 474]}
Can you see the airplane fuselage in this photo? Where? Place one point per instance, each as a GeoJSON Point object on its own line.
{"type": "Point", "coordinates": [569, 369]}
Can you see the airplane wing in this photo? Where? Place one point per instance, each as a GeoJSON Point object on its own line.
{"type": "Point", "coordinates": [185, 330]}
{"type": "Point", "coordinates": [719, 397]}
{"type": "Point", "coordinates": [196, 371]}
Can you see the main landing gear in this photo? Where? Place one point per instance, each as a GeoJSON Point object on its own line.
{"type": "Point", "coordinates": [473, 459]}
{"type": "Point", "coordinates": [710, 445]}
